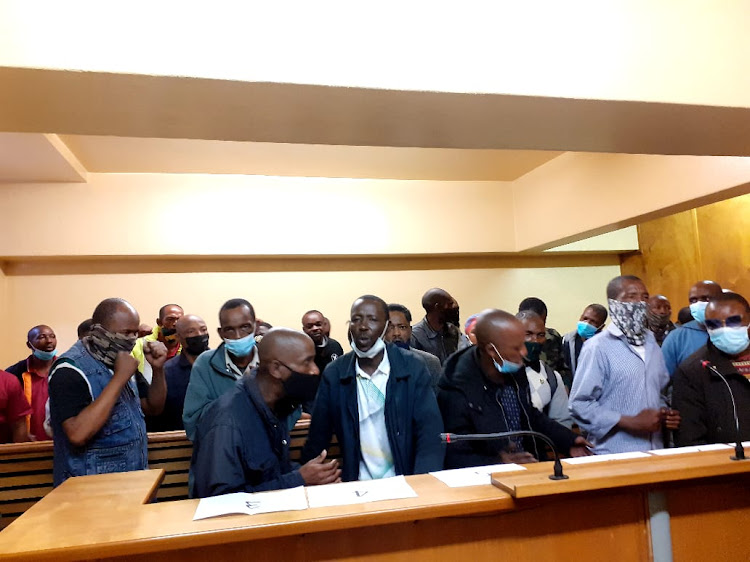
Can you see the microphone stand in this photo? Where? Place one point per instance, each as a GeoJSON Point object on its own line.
{"type": "Point", "coordinates": [557, 468]}
{"type": "Point", "coordinates": [739, 451]}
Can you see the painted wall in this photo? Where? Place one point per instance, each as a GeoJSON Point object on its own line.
{"type": "Point", "coordinates": [281, 297]}
{"type": "Point", "coordinates": [710, 242]}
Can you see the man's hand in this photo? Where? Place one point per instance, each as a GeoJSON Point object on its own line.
{"type": "Point", "coordinates": [581, 448]}
{"type": "Point", "coordinates": [125, 366]}
{"type": "Point", "coordinates": [517, 457]}
{"type": "Point", "coordinates": [671, 418]}
{"type": "Point", "coordinates": [155, 353]}
{"type": "Point", "coordinates": [646, 421]}
{"type": "Point", "coordinates": [318, 472]}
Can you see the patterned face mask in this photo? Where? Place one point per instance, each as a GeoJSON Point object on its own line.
{"type": "Point", "coordinates": [105, 345]}
{"type": "Point", "coordinates": [630, 317]}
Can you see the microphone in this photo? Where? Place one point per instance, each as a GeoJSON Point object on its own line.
{"type": "Point", "coordinates": [739, 451]}
{"type": "Point", "coordinates": [558, 470]}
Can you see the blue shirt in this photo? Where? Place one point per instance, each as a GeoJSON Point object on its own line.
{"type": "Point", "coordinates": [177, 376]}
{"type": "Point", "coordinates": [682, 343]}
{"type": "Point", "coordinates": [613, 380]}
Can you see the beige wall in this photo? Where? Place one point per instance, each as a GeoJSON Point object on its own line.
{"type": "Point", "coordinates": [281, 297]}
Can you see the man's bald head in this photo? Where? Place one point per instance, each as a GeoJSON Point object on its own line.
{"type": "Point", "coordinates": [188, 323]}
{"type": "Point", "coordinates": [284, 345]}
{"type": "Point", "coordinates": [434, 297]}
{"type": "Point", "coordinates": [108, 309]}
{"type": "Point", "coordinates": [704, 291]}
{"type": "Point", "coordinates": [36, 330]}
{"type": "Point", "coordinates": [493, 324]}
{"type": "Point", "coordinates": [501, 337]}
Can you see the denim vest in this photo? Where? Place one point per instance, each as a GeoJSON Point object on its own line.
{"type": "Point", "coordinates": [120, 445]}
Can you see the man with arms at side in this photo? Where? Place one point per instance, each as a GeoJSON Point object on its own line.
{"type": "Point", "coordinates": [218, 370]}
{"type": "Point", "coordinates": [192, 335]}
{"type": "Point", "coordinates": [399, 334]}
{"type": "Point", "coordinates": [552, 350]}
{"type": "Point", "coordinates": [164, 332]}
{"type": "Point", "coordinates": [14, 408]}
{"type": "Point", "coordinates": [617, 396]}
{"type": "Point", "coordinates": [33, 373]}
{"type": "Point", "coordinates": [484, 390]}
{"type": "Point", "coordinates": [659, 317]}
{"type": "Point", "coordinates": [242, 443]}
{"type": "Point", "coordinates": [437, 332]}
{"type": "Point", "coordinates": [326, 349]}
{"type": "Point", "coordinates": [689, 338]}
{"type": "Point", "coordinates": [590, 323]}
{"type": "Point", "coordinates": [701, 396]}
{"type": "Point", "coordinates": [378, 401]}
{"type": "Point", "coordinates": [95, 407]}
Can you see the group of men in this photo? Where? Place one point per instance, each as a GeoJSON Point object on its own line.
{"type": "Point", "coordinates": [388, 400]}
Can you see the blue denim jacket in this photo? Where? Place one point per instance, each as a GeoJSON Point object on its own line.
{"type": "Point", "coordinates": [120, 445]}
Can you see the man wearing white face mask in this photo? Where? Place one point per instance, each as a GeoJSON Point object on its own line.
{"type": "Point", "coordinates": [689, 338]}
{"type": "Point", "coordinates": [378, 401]}
{"type": "Point", "coordinates": [218, 371]}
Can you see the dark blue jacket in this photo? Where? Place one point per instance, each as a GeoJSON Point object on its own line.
{"type": "Point", "coordinates": [241, 446]}
{"type": "Point", "coordinates": [412, 418]}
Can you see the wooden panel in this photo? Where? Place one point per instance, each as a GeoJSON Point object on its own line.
{"type": "Point", "coordinates": [724, 234]}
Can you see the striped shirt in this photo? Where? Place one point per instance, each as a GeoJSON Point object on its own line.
{"type": "Point", "coordinates": [614, 380]}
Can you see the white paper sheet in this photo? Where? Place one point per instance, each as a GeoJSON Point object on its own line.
{"type": "Point", "coordinates": [292, 499]}
{"type": "Point", "coordinates": [675, 451]}
{"type": "Point", "coordinates": [605, 458]}
{"type": "Point", "coordinates": [348, 493]}
{"type": "Point", "coordinates": [715, 447]}
{"type": "Point", "coordinates": [473, 475]}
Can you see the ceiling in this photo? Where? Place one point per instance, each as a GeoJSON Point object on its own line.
{"type": "Point", "coordinates": [34, 157]}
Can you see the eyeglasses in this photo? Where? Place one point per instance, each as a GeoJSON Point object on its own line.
{"type": "Point", "coordinates": [731, 322]}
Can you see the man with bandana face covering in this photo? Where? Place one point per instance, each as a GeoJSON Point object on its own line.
{"type": "Point", "coordinates": [617, 396]}
{"type": "Point", "coordinates": [242, 442]}
{"type": "Point", "coordinates": [658, 317]}
{"type": "Point", "coordinates": [95, 408]}
{"type": "Point", "coordinates": [378, 401]}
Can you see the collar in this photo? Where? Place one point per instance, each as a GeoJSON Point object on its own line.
{"type": "Point", "coordinates": [232, 368]}
{"type": "Point", "coordinates": [183, 360]}
{"type": "Point", "coordinates": [384, 367]}
{"type": "Point", "coordinates": [322, 345]}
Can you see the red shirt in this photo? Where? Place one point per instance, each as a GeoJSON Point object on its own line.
{"type": "Point", "coordinates": [13, 405]}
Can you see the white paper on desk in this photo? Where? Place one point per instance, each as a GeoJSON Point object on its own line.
{"type": "Point", "coordinates": [348, 493]}
{"type": "Point", "coordinates": [292, 499]}
{"type": "Point", "coordinates": [675, 451]}
{"type": "Point", "coordinates": [714, 447]}
{"type": "Point", "coordinates": [605, 458]}
{"type": "Point", "coordinates": [473, 475]}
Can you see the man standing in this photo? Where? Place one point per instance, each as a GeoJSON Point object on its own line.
{"type": "Point", "coordinates": [33, 372]}
{"type": "Point", "coordinates": [192, 335]}
{"type": "Point", "coordinates": [617, 395]}
{"type": "Point", "coordinates": [437, 332]}
{"type": "Point", "coordinates": [659, 317]}
{"type": "Point", "coordinates": [483, 390]}
{"type": "Point", "coordinates": [399, 334]}
{"type": "Point", "coordinates": [242, 443]}
{"type": "Point", "coordinates": [590, 323]}
{"type": "Point", "coordinates": [326, 349]}
{"type": "Point", "coordinates": [690, 337]}
{"type": "Point", "coordinates": [95, 407]}
{"type": "Point", "coordinates": [552, 350]}
{"type": "Point", "coordinates": [218, 371]}
{"type": "Point", "coordinates": [700, 395]}
{"type": "Point", "coordinates": [378, 401]}
{"type": "Point", "coordinates": [14, 409]}
{"type": "Point", "coordinates": [165, 332]}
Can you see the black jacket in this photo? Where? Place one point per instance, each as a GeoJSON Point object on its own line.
{"type": "Point", "coordinates": [703, 400]}
{"type": "Point", "coordinates": [412, 417]}
{"type": "Point", "coordinates": [468, 403]}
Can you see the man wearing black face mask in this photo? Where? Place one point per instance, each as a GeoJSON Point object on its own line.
{"type": "Point", "coordinates": [95, 407]}
{"type": "Point", "coordinates": [192, 335]}
{"type": "Point", "coordinates": [242, 442]}
{"type": "Point", "coordinates": [164, 332]}
{"type": "Point", "coordinates": [438, 332]}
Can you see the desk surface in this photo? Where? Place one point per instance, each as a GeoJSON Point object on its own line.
{"type": "Point", "coordinates": [108, 515]}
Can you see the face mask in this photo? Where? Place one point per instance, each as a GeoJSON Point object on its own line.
{"type": "Point", "coordinates": [630, 317]}
{"type": "Point", "coordinates": [402, 344]}
{"type": "Point", "coordinates": [533, 351]}
{"type": "Point", "coordinates": [43, 355]}
{"type": "Point", "coordinates": [586, 330]}
{"type": "Point", "coordinates": [657, 321]}
{"type": "Point", "coordinates": [698, 311]}
{"type": "Point", "coordinates": [195, 345]}
{"type": "Point", "coordinates": [167, 332]}
{"type": "Point", "coordinates": [452, 316]}
{"type": "Point", "coordinates": [376, 348]}
{"type": "Point", "coordinates": [731, 341]}
{"type": "Point", "coordinates": [241, 347]}
{"type": "Point", "coordinates": [105, 345]}
{"type": "Point", "coordinates": [300, 388]}
{"type": "Point", "coordinates": [507, 366]}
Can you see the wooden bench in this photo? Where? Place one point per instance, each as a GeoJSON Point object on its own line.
{"type": "Point", "coordinates": [26, 468]}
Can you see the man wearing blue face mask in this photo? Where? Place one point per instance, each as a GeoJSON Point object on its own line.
{"type": "Point", "coordinates": [218, 371]}
{"type": "Point", "coordinates": [485, 390]}
{"type": "Point", "coordinates": [32, 373]}
{"type": "Point", "coordinates": [618, 394]}
{"type": "Point", "coordinates": [590, 323]}
{"type": "Point", "coordinates": [701, 396]}
{"type": "Point", "coordinates": [689, 338]}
